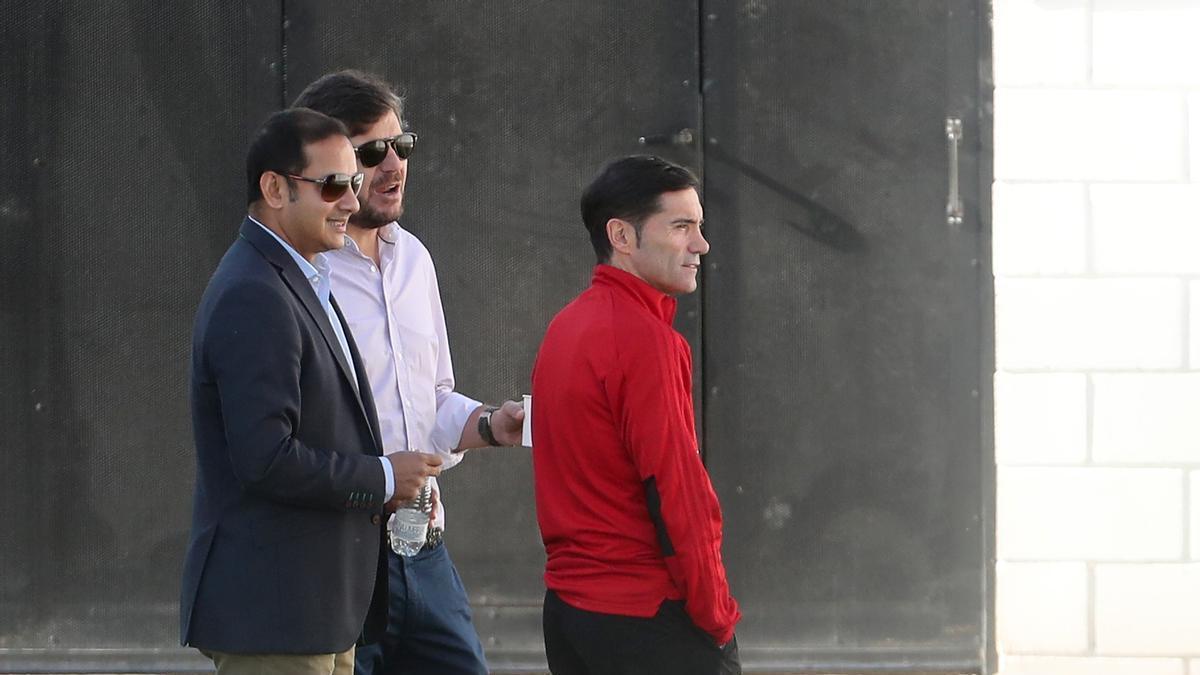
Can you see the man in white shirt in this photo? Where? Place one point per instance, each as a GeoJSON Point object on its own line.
{"type": "Point", "coordinates": [387, 288]}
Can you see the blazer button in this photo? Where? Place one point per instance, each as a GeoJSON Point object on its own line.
{"type": "Point", "coordinates": [375, 519]}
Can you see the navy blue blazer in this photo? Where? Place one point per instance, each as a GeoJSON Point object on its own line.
{"type": "Point", "coordinates": [285, 551]}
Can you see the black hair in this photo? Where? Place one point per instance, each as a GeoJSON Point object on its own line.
{"type": "Point", "coordinates": [629, 188]}
{"type": "Point", "coordinates": [279, 143]}
{"type": "Point", "coordinates": [356, 98]}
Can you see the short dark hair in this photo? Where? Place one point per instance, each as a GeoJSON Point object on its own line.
{"type": "Point", "coordinates": [278, 144]}
{"type": "Point", "coordinates": [356, 98]}
{"type": "Point", "coordinates": [629, 188]}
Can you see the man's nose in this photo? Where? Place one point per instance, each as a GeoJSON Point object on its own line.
{"type": "Point", "coordinates": [349, 201]}
{"type": "Point", "coordinates": [699, 243]}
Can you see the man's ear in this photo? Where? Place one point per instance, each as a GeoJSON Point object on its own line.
{"type": "Point", "coordinates": [621, 235]}
{"type": "Point", "coordinates": [274, 189]}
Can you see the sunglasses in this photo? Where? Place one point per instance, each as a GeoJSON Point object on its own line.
{"type": "Point", "coordinates": [334, 185]}
{"type": "Point", "coordinates": [373, 152]}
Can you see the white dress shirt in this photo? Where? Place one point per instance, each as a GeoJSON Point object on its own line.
{"type": "Point", "coordinates": [395, 313]}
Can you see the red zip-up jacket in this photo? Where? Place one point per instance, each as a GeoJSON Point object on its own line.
{"type": "Point", "coordinates": [628, 515]}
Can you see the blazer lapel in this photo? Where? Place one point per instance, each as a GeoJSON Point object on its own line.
{"type": "Point", "coordinates": [366, 398]}
{"type": "Point", "coordinates": [303, 290]}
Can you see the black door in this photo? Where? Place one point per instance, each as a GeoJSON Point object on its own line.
{"type": "Point", "coordinates": [845, 356]}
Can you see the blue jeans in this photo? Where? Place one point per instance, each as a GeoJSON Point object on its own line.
{"type": "Point", "coordinates": [429, 628]}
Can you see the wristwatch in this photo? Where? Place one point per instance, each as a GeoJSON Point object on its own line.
{"type": "Point", "coordinates": [485, 426]}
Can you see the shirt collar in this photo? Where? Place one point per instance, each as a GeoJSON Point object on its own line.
{"type": "Point", "coordinates": [317, 272]}
{"type": "Point", "coordinates": [388, 234]}
{"type": "Point", "coordinates": [658, 303]}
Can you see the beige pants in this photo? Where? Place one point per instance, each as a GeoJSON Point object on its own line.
{"type": "Point", "coordinates": [283, 664]}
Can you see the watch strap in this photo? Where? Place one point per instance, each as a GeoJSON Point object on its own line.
{"type": "Point", "coordinates": [485, 426]}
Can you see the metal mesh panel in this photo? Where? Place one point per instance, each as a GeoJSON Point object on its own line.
{"type": "Point", "coordinates": [841, 344]}
{"type": "Point", "coordinates": [126, 148]}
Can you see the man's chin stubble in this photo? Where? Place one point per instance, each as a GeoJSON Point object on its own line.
{"type": "Point", "coordinates": [372, 219]}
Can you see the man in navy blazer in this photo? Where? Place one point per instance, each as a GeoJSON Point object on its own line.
{"type": "Point", "coordinates": [284, 569]}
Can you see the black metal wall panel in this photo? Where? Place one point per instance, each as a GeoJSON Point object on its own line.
{"type": "Point", "coordinates": [842, 331]}
{"type": "Point", "coordinates": [517, 105]}
{"type": "Point", "coordinates": [124, 131]}
{"type": "Point", "coordinates": [842, 341]}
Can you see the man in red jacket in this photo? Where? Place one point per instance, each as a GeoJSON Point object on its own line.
{"type": "Point", "coordinates": [629, 518]}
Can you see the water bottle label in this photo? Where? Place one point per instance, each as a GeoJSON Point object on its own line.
{"type": "Point", "coordinates": [412, 531]}
{"type": "Point", "coordinates": [407, 531]}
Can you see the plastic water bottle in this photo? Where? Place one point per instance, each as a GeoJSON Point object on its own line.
{"type": "Point", "coordinates": [409, 525]}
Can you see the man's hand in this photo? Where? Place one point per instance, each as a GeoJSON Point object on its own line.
{"type": "Point", "coordinates": [411, 470]}
{"type": "Point", "coordinates": [507, 421]}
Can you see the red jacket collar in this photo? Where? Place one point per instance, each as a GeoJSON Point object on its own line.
{"type": "Point", "coordinates": [658, 303]}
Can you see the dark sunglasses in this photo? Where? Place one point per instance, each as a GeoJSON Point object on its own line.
{"type": "Point", "coordinates": [373, 152]}
{"type": "Point", "coordinates": [334, 185]}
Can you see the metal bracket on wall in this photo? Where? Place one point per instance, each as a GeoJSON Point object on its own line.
{"type": "Point", "coordinates": [954, 205]}
{"type": "Point", "coordinates": [683, 137]}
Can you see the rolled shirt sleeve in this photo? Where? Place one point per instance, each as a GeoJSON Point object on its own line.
{"type": "Point", "coordinates": [453, 411]}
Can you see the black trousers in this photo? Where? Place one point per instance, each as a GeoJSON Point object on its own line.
{"type": "Point", "coordinates": [579, 642]}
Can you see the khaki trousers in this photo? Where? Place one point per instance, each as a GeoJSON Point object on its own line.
{"type": "Point", "coordinates": [283, 664]}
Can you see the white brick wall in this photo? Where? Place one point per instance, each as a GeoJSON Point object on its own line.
{"type": "Point", "coordinates": [1026, 665]}
{"type": "Point", "coordinates": [1139, 44]}
{"type": "Point", "coordinates": [1194, 321]}
{"type": "Point", "coordinates": [1041, 418]}
{"type": "Point", "coordinates": [1089, 514]}
{"type": "Point", "coordinates": [1045, 608]}
{"type": "Point", "coordinates": [1194, 132]}
{"type": "Point", "coordinates": [1052, 134]}
{"type": "Point", "coordinates": [1146, 419]}
{"type": "Point", "coordinates": [1146, 229]}
{"type": "Point", "coordinates": [1041, 229]}
{"type": "Point", "coordinates": [1054, 42]}
{"type": "Point", "coordinates": [1100, 324]}
{"type": "Point", "coordinates": [1194, 499]}
{"type": "Point", "coordinates": [1097, 256]}
{"type": "Point", "coordinates": [1148, 609]}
